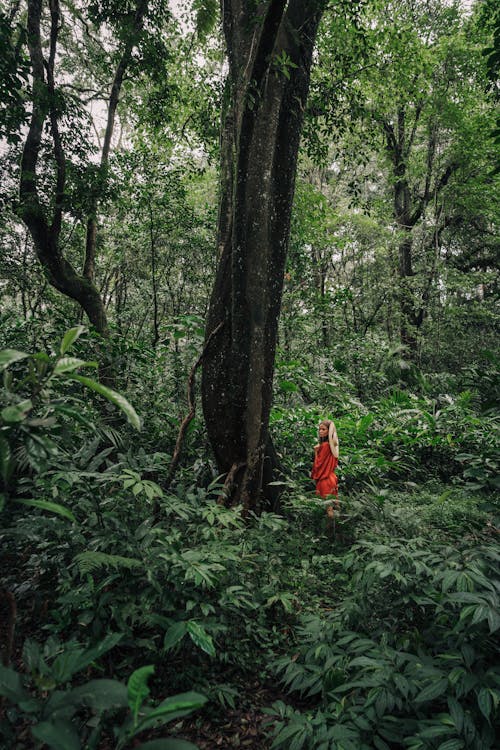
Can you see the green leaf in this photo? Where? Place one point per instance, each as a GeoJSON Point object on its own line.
{"type": "Point", "coordinates": [73, 413]}
{"type": "Point", "coordinates": [285, 734]}
{"type": "Point", "coordinates": [485, 703]}
{"type": "Point", "coordinates": [137, 689]}
{"type": "Point", "coordinates": [17, 412]}
{"type": "Point", "coordinates": [433, 731]}
{"type": "Point", "coordinates": [68, 364]}
{"type": "Point", "coordinates": [42, 357]}
{"type": "Point", "coordinates": [200, 637]}
{"type": "Point", "coordinates": [30, 706]}
{"type": "Point", "coordinates": [11, 686]}
{"type": "Point", "coordinates": [170, 709]}
{"type": "Point", "coordinates": [47, 505]}
{"type": "Point", "coordinates": [89, 561]}
{"type": "Point", "coordinates": [91, 654]}
{"type": "Point", "coordinates": [58, 734]}
{"type": "Point", "coordinates": [493, 619]}
{"type": "Point", "coordinates": [60, 705]}
{"type": "Point", "coordinates": [288, 387]}
{"type": "Point", "coordinates": [174, 634]}
{"type": "Point", "coordinates": [432, 691]}
{"type": "Point", "coordinates": [402, 684]}
{"type": "Point", "coordinates": [456, 713]}
{"type": "Point", "coordinates": [455, 744]}
{"type": "Point", "coordinates": [100, 695]}
{"type": "Point", "coordinates": [7, 356]}
{"type": "Point", "coordinates": [74, 660]}
{"type": "Point", "coordinates": [70, 337]}
{"type": "Point", "coordinates": [113, 396]}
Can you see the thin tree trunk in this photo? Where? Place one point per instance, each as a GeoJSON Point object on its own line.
{"type": "Point", "coordinates": [91, 236]}
{"type": "Point", "coordinates": [152, 243]}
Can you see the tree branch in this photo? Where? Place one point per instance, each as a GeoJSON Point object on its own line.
{"type": "Point", "coordinates": [418, 112]}
{"type": "Point", "coordinates": [392, 145]}
{"type": "Point", "coordinates": [192, 407]}
{"type": "Point", "coordinates": [55, 16]}
{"type": "Point", "coordinates": [31, 209]}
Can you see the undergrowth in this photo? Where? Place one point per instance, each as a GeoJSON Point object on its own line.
{"type": "Point", "coordinates": [381, 631]}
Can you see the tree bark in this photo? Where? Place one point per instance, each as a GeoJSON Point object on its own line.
{"type": "Point", "coordinates": [269, 47]}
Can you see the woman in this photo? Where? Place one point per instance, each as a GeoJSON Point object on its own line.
{"type": "Point", "coordinates": [326, 458]}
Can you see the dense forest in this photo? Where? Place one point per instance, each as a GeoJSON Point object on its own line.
{"type": "Point", "coordinates": [222, 224]}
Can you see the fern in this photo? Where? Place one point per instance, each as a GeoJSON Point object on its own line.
{"type": "Point", "coordinates": [90, 561]}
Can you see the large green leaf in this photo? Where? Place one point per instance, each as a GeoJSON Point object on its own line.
{"type": "Point", "coordinates": [432, 691]}
{"type": "Point", "coordinates": [17, 412]}
{"type": "Point", "coordinates": [47, 505]}
{"type": "Point", "coordinates": [58, 734]}
{"type": "Point", "coordinates": [200, 637]}
{"type": "Point", "coordinates": [455, 744]}
{"type": "Point", "coordinates": [68, 364]}
{"type": "Point", "coordinates": [7, 356]}
{"type": "Point", "coordinates": [113, 396]}
{"type": "Point", "coordinates": [174, 634]}
{"type": "Point", "coordinates": [456, 713]}
{"type": "Point", "coordinates": [101, 695]}
{"type": "Point", "coordinates": [485, 703]}
{"type": "Point", "coordinates": [11, 686]}
{"type": "Point", "coordinates": [70, 337]}
{"type": "Point", "coordinates": [61, 705]}
{"type": "Point", "coordinates": [137, 688]}
{"type": "Point", "coordinates": [74, 660]}
{"type": "Point", "coordinates": [493, 619]}
{"type": "Point", "coordinates": [170, 709]}
{"type": "Point", "coordinates": [434, 731]}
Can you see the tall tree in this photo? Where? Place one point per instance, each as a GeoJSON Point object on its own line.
{"type": "Point", "coordinates": [43, 198]}
{"type": "Point", "coordinates": [269, 48]}
{"type": "Point", "coordinates": [408, 88]}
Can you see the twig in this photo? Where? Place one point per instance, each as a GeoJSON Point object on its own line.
{"type": "Point", "coordinates": [192, 408]}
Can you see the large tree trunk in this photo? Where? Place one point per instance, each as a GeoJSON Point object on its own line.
{"type": "Point", "coordinates": [269, 48]}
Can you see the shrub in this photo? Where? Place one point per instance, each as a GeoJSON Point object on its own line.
{"type": "Point", "coordinates": [62, 715]}
{"type": "Point", "coordinates": [405, 659]}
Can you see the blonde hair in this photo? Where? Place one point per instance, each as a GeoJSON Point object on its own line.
{"type": "Point", "coordinates": [333, 438]}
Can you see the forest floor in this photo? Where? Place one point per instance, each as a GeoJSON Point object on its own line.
{"type": "Point", "coordinates": [243, 727]}
{"type": "Point", "coordinates": [454, 521]}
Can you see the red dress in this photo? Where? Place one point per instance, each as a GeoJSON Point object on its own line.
{"type": "Point", "coordinates": [323, 471]}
